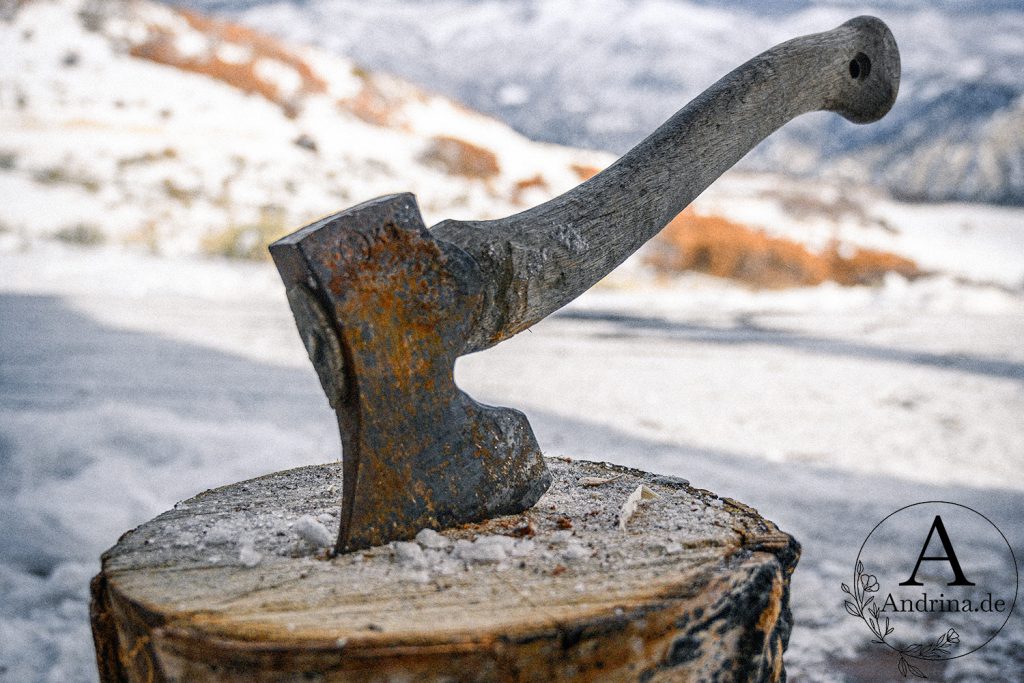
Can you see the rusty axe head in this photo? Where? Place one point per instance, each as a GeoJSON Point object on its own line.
{"type": "Point", "coordinates": [384, 309]}
{"type": "Point", "coordinates": [385, 306]}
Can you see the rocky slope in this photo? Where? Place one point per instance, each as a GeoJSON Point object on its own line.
{"type": "Point", "coordinates": [603, 74]}
{"type": "Point", "coordinates": [138, 125]}
{"type": "Point", "coordinates": [132, 122]}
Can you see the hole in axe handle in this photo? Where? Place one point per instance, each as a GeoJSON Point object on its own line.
{"type": "Point", "coordinates": [860, 66]}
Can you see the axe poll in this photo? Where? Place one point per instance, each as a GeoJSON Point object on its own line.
{"type": "Point", "coordinates": [385, 306]}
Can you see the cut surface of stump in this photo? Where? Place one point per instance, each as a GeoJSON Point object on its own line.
{"type": "Point", "coordinates": [690, 586]}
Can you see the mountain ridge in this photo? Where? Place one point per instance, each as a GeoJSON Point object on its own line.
{"type": "Point", "coordinates": [603, 75]}
{"type": "Point", "coordinates": [137, 125]}
{"type": "Point", "coordinates": [132, 122]}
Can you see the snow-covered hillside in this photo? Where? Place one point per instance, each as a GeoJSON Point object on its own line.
{"type": "Point", "coordinates": [135, 370]}
{"type": "Point", "coordinates": [134, 123]}
{"type": "Point", "coordinates": [603, 73]}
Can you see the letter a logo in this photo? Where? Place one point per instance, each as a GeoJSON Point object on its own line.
{"type": "Point", "coordinates": [950, 556]}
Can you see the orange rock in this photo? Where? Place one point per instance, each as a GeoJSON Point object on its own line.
{"type": "Point", "coordinates": [720, 247]}
{"type": "Point", "coordinates": [459, 157]}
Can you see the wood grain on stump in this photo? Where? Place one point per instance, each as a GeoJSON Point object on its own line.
{"type": "Point", "coordinates": [222, 588]}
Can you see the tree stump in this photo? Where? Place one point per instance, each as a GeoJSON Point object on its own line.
{"type": "Point", "coordinates": [222, 588]}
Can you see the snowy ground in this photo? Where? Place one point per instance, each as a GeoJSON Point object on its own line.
{"type": "Point", "coordinates": [128, 383]}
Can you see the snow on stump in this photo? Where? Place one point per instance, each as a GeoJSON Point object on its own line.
{"type": "Point", "coordinates": [615, 575]}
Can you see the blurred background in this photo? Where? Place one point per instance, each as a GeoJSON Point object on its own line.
{"type": "Point", "coordinates": [831, 331]}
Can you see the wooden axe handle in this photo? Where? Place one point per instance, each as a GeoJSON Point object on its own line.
{"type": "Point", "coordinates": [537, 261]}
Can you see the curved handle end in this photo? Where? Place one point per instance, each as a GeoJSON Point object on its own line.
{"type": "Point", "coordinates": [871, 66]}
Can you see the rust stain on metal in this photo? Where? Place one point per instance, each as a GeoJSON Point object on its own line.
{"type": "Point", "coordinates": [399, 304]}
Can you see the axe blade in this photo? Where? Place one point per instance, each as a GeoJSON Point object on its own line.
{"type": "Point", "coordinates": [384, 309]}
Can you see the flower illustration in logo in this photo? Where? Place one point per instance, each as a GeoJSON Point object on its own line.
{"type": "Point", "coordinates": [900, 606]}
{"type": "Point", "coordinates": [869, 583]}
{"type": "Point", "coordinates": [863, 606]}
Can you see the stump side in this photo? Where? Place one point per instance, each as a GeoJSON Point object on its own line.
{"type": "Point", "coordinates": [695, 587]}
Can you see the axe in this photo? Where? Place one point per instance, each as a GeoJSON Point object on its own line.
{"type": "Point", "coordinates": [385, 305]}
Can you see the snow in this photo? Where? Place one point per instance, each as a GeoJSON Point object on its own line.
{"type": "Point", "coordinates": [312, 530]}
{"type": "Point", "coordinates": [138, 373]}
{"type": "Point", "coordinates": [192, 44]}
{"type": "Point", "coordinates": [285, 78]}
{"type": "Point", "coordinates": [248, 555]}
{"type": "Point", "coordinates": [430, 539]}
{"type": "Point", "coordinates": [131, 382]}
{"type": "Point", "coordinates": [514, 94]}
{"type": "Point", "coordinates": [604, 73]}
{"type": "Point", "coordinates": [408, 553]}
{"type": "Point", "coordinates": [974, 241]}
{"type": "Point", "coordinates": [483, 550]}
{"type": "Point", "coordinates": [232, 53]}
{"type": "Point", "coordinates": [178, 160]}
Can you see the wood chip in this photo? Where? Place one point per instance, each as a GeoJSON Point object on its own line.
{"type": "Point", "coordinates": [597, 481]}
{"type": "Point", "coordinates": [639, 494]}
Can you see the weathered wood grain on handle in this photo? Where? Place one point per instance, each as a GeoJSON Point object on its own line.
{"type": "Point", "coordinates": [537, 261]}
